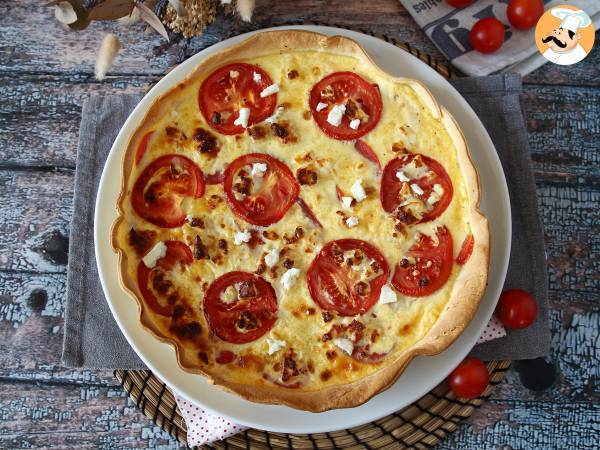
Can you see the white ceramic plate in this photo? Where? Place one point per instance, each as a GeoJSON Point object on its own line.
{"type": "Point", "coordinates": [423, 373]}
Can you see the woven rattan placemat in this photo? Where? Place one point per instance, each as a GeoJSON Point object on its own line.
{"type": "Point", "coordinates": [420, 425]}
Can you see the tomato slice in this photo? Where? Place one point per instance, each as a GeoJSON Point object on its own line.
{"type": "Point", "coordinates": [231, 88]}
{"type": "Point", "coordinates": [240, 307]}
{"type": "Point", "coordinates": [346, 276]}
{"type": "Point", "coordinates": [141, 150]}
{"type": "Point", "coordinates": [158, 191]}
{"type": "Point", "coordinates": [154, 282]}
{"type": "Point", "coordinates": [415, 187]}
{"type": "Point", "coordinates": [426, 266]}
{"type": "Point", "coordinates": [262, 199]}
{"type": "Point", "coordinates": [361, 99]}
{"type": "Point", "coordinates": [367, 152]}
{"type": "Point", "coordinates": [466, 250]}
{"type": "Point", "coordinates": [362, 354]}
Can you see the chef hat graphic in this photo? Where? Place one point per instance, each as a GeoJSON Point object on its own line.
{"type": "Point", "coordinates": [571, 20]}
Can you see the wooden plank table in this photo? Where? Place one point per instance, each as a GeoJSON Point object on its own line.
{"type": "Point", "coordinates": [46, 72]}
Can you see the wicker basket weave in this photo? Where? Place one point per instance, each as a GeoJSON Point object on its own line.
{"type": "Point", "coordinates": [420, 425]}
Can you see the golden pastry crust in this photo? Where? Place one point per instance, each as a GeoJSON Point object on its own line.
{"type": "Point", "coordinates": [468, 286]}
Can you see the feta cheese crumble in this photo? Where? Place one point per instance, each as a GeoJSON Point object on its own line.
{"type": "Point", "coordinates": [289, 278]}
{"type": "Point", "coordinates": [258, 169]}
{"type": "Point", "coordinates": [243, 117]}
{"type": "Point", "coordinates": [358, 191]}
{"type": "Point", "coordinates": [275, 345]}
{"type": "Point", "coordinates": [387, 295]}
{"type": "Point", "coordinates": [354, 124]}
{"type": "Point", "coordinates": [241, 237]}
{"type": "Point", "coordinates": [234, 73]}
{"type": "Point", "coordinates": [402, 177]}
{"type": "Point", "coordinates": [272, 258]}
{"type": "Point", "coordinates": [345, 345]}
{"type": "Point", "coordinates": [347, 202]}
{"type": "Point", "coordinates": [334, 117]}
{"type": "Point", "coordinates": [256, 77]}
{"type": "Point", "coordinates": [352, 221]}
{"type": "Point", "coordinates": [270, 90]}
{"type": "Point", "coordinates": [157, 252]}
{"type": "Point", "coordinates": [417, 189]}
{"type": "Point", "coordinates": [321, 106]}
{"type": "Point", "coordinates": [273, 117]}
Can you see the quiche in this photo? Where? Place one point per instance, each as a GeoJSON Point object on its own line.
{"type": "Point", "coordinates": [299, 224]}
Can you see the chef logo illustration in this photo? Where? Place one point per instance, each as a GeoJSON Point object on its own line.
{"type": "Point", "coordinates": [564, 35]}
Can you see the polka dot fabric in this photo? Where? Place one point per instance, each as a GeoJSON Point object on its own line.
{"type": "Point", "coordinates": [204, 427]}
{"type": "Point", "coordinates": [493, 330]}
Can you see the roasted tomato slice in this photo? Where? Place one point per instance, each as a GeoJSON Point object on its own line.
{"type": "Point", "coordinates": [158, 191]}
{"type": "Point", "coordinates": [346, 276]}
{"type": "Point", "coordinates": [360, 99]}
{"type": "Point", "coordinates": [426, 266]}
{"type": "Point", "coordinates": [240, 307]}
{"type": "Point", "coordinates": [363, 354]}
{"type": "Point", "coordinates": [466, 250]}
{"type": "Point", "coordinates": [143, 147]}
{"type": "Point", "coordinates": [259, 188]}
{"type": "Point", "coordinates": [231, 88]}
{"type": "Point", "coordinates": [415, 187]}
{"type": "Point", "coordinates": [154, 283]}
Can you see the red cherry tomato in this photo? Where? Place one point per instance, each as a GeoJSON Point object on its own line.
{"type": "Point", "coordinates": [487, 35]}
{"type": "Point", "coordinates": [336, 286]}
{"type": "Point", "coordinates": [459, 3]}
{"type": "Point", "coordinates": [469, 379]}
{"type": "Point", "coordinates": [524, 14]}
{"type": "Point", "coordinates": [361, 98]}
{"type": "Point", "coordinates": [427, 265]}
{"type": "Point", "coordinates": [260, 202]}
{"type": "Point", "coordinates": [231, 88]}
{"type": "Point", "coordinates": [516, 309]}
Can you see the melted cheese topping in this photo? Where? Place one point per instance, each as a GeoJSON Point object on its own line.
{"type": "Point", "coordinates": [390, 326]}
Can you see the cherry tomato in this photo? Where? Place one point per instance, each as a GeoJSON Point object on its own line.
{"type": "Point", "coordinates": [154, 283]}
{"type": "Point", "coordinates": [335, 284]}
{"type": "Point", "coordinates": [487, 35]}
{"type": "Point", "coordinates": [428, 175]}
{"type": "Point", "coordinates": [264, 199]}
{"type": "Point", "coordinates": [231, 88]}
{"type": "Point", "coordinates": [459, 3]}
{"type": "Point", "coordinates": [240, 307]}
{"type": "Point", "coordinates": [469, 379]}
{"type": "Point", "coordinates": [362, 101]}
{"type": "Point", "coordinates": [516, 309]}
{"type": "Point", "coordinates": [159, 190]}
{"type": "Point", "coordinates": [524, 14]}
{"type": "Point", "coordinates": [427, 265]}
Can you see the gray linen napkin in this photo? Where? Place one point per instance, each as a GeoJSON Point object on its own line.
{"type": "Point", "coordinates": [92, 338]}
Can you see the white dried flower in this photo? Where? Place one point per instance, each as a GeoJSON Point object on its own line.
{"type": "Point", "coordinates": [108, 51]}
{"type": "Point", "coordinates": [245, 8]}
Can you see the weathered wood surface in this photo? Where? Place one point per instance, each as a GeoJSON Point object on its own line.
{"type": "Point", "coordinates": [45, 73]}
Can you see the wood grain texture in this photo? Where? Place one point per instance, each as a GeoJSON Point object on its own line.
{"type": "Point", "coordinates": [46, 73]}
